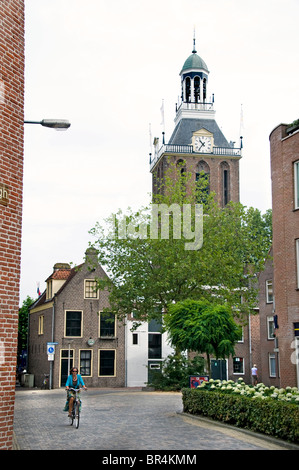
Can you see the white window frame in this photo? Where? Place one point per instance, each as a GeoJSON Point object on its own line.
{"type": "Point", "coordinates": [272, 359]}
{"type": "Point", "coordinates": [270, 320]}
{"type": "Point", "coordinates": [268, 289]}
{"type": "Point", "coordinates": [243, 364]}
{"type": "Point", "coordinates": [242, 339]}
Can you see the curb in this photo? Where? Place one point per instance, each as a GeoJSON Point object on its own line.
{"type": "Point", "coordinates": [273, 440]}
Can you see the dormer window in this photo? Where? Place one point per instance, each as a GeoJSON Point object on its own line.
{"type": "Point", "coordinates": [49, 293]}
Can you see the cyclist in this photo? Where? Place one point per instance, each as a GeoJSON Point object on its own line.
{"type": "Point", "coordinates": [74, 380]}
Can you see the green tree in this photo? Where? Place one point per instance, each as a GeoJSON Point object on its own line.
{"type": "Point", "coordinates": [23, 323]}
{"type": "Point", "coordinates": [202, 327]}
{"type": "Point", "coordinates": [147, 274]}
{"type": "Point", "coordinates": [176, 371]}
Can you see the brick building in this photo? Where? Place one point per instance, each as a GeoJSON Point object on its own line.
{"type": "Point", "coordinates": [266, 353]}
{"type": "Point", "coordinates": [70, 313]}
{"type": "Point", "coordinates": [284, 154]}
{"type": "Point", "coordinates": [11, 190]}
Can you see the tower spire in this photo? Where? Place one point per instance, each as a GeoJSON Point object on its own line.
{"type": "Point", "coordinates": [194, 48]}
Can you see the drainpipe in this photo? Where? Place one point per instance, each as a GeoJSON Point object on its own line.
{"type": "Point", "coordinates": [52, 339]}
{"type": "Point", "coordinates": [249, 335]}
{"type": "Point", "coordinates": [126, 342]}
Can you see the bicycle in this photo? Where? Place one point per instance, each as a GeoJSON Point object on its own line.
{"type": "Point", "coordinates": [76, 407]}
{"type": "Point", "coordinates": [45, 382]}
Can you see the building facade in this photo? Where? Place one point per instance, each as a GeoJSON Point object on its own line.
{"type": "Point", "coordinates": [284, 154]}
{"type": "Point", "coordinates": [197, 144]}
{"type": "Point", "coordinates": [69, 317]}
{"type": "Point", "coordinates": [267, 359]}
{"type": "Point", "coordinates": [146, 349]}
{"type": "Point", "coordinates": [11, 191]}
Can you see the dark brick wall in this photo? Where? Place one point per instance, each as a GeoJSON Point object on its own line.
{"type": "Point", "coordinates": [214, 163]}
{"type": "Point", "coordinates": [11, 189]}
{"type": "Point", "coordinates": [284, 152]}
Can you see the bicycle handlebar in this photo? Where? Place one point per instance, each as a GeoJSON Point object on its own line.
{"type": "Point", "coordinates": [76, 389]}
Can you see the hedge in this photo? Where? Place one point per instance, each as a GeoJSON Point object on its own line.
{"type": "Point", "coordinates": [274, 418]}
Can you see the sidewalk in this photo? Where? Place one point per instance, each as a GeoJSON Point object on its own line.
{"type": "Point", "coordinates": [124, 419]}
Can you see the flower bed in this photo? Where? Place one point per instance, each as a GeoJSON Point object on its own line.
{"type": "Point", "coordinates": [262, 409]}
{"type": "Point", "coordinates": [288, 394]}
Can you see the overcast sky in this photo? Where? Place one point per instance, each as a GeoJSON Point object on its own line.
{"type": "Point", "coordinates": [106, 66]}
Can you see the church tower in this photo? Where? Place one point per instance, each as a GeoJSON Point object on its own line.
{"type": "Point", "coordinates": [197, 144]}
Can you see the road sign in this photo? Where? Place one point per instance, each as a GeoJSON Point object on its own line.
{"type": "Point", "coordinates": [51, 348]}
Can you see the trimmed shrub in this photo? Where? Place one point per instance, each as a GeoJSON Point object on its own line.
{"type": "Point", "coordinates": [272, 417]}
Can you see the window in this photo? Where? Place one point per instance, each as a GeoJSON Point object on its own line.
{"type": "Point", "coordinates": [85, 362]}
{"type": "Point", "coordinates": [296, 185]}
{"type": "Point", "coordinates": [134, 338]}
{"type": "Point", "coordinates": [107, 362]}
{"type": "Point", "coordinates": [225, 183]}
{"type": "Point", "coordinates": [107, 325]}
{"type": "Point", "coordinates": [202, 178]}
{"type": "Point", "coordinates": [204, 89]}
{"type": "Point", "coordinates": [241, 340]}
{"type": "Point", "coordinates": [270, 327]}
{"type": "Point", "coordinates": [269, 292]}
{"type": "Point", "coordinates": [49, 290]}
{"type": "Point", "coordinates": [188, 89]}
{"type": "Point", "coordinates": [73, 323]}
{"type": "Point", "coordinates": [154, 346]}
{"type": "Point", "coordinates": [272, 365]}
{"type": "Point", "coordinates": [197, 89]}
{"type": "Point", "coordinates": [41, 325]}
{"type": "Point", "coordinates": [90, 289]}
{"type": "Point", "coordinates": [238, 365]}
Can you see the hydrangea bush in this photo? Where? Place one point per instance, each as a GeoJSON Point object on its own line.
{"type": "Point", "coordinates": [268, 410]}
{"type": "Point", "coordinates": [288, 394]}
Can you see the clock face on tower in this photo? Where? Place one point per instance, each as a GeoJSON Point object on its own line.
{"type": "Point", "coordinates": [203, 144]}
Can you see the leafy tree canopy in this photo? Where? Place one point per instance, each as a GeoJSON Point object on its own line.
{"type": "Point", "coordinates": [148, 271]}
{"type": "Point", "coordinates": [202, 327]}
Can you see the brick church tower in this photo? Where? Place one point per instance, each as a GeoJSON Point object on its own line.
{"type": "Point", "coordinates": [197, 144]}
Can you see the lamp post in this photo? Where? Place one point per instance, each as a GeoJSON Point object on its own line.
{"type": "Point", "coordinates": [58, 124]}
{"type": "Point", "coordinates": [53, 123]}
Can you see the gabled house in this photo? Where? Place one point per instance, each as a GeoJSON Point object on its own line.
{"type": "Point", "coordinates": [69, 314]}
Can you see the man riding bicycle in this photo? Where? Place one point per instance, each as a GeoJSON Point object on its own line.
{"type": "Point", "coordinates": [74, 380]}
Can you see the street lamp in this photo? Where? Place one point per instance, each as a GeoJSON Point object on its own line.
{"type": "Point", "coordinates": [53, 123]}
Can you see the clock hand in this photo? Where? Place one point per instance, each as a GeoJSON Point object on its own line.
{"type": "Point", "coordinates": [202, 144]}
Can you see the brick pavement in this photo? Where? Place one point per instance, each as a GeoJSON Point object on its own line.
{"type": "Point", "coordinates": [122, 420]}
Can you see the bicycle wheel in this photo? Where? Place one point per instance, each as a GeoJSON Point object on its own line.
{"type": "Point", "coordinates": [72, 417]}
{"type": "Point", "coordinates": [77, 414]}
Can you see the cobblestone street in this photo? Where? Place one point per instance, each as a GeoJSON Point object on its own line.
{"type": "Point", "coordinates": [122, 420]}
